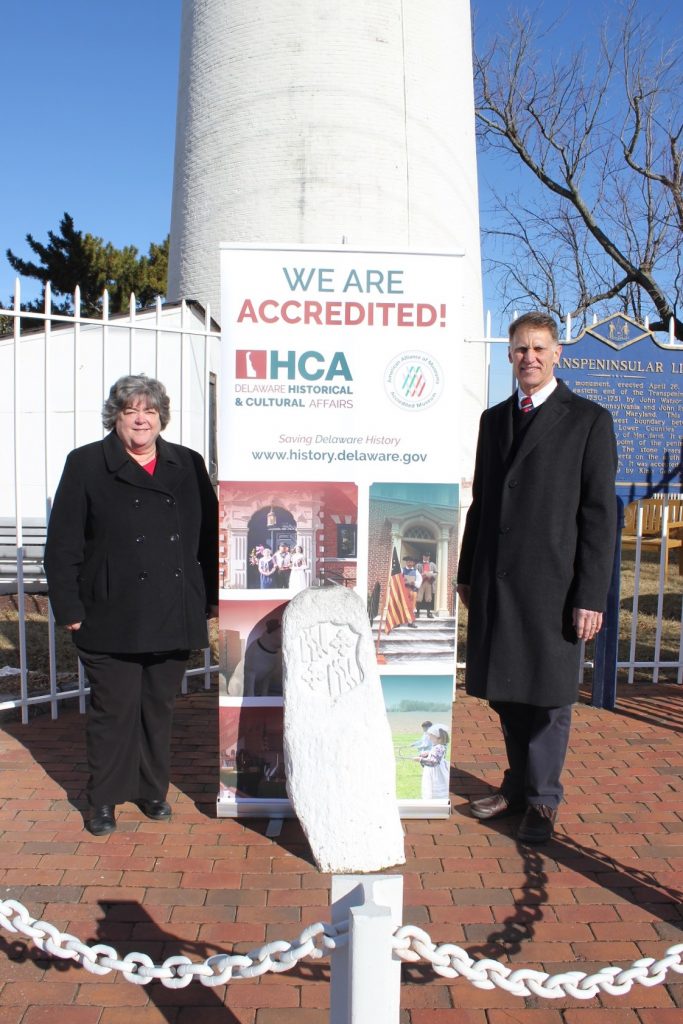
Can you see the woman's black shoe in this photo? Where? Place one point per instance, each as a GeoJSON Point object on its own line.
{"type": "Point", "coordinates": [102, 820]}
{"type": "Point", "coordinates": [157, 810]}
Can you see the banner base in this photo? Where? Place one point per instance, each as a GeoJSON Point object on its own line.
{"type": "Point", "coordinates": [245, 808]}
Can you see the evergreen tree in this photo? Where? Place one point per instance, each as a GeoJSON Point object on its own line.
{"type": "Point", "coordinates": [71, 258]}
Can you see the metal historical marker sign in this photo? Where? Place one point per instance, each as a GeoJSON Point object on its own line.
{"type": "Point", "coordinates": [621, 365]}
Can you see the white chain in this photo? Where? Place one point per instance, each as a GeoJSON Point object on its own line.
{"type": "Point", "coordinates": [318, 941]}
{"type": "Point", "coordinates": [450, 961]}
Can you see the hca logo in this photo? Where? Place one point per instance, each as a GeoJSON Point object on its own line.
{"type": "Point", "coordinates": [258, 364]}
{"type": "Point", "coordinates": [250, 363]}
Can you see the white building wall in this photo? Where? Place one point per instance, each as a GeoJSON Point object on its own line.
{"type": "Point", "coordinates": [64, 376]}
{"type": "Point", "coordinates": [320, 122]}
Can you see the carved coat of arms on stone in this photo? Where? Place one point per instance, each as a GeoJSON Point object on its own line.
{"type": "Point", "coordinates": [329, 658]}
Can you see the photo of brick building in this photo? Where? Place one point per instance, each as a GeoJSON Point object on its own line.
{"type": "Point", "coordinates": [321, 518]}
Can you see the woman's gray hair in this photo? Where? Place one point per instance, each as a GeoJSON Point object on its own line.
{"type": "Point", "coordinates": [127, 389]}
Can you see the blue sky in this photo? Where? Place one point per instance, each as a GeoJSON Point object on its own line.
{"type": "Point", "coordinates": [89, 90]}
{"type": "Point", "coordinates": [90, 96]}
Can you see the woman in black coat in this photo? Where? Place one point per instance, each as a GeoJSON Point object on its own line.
{"type": "Point", "coordinates": [131, 563]}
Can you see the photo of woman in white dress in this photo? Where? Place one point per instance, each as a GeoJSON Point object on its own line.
{"type": "Point", "coordinates": [266, 568]}
{"type": "Point", "coordinates": [435, 765]}
{"type": "Point", "coordinates": [297, 576]}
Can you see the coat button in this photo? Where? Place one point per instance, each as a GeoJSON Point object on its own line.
{"type": "Point", "coordinates": [137, 502]}
{"type": "Point", "coordinates": [170, 501]}
{"type": "Point", "coordinates": [513, 483]}
{"type": "Point", "coordinates": [504, 529]}
{"type": "Point", "coordinates": [178, 572]}
{"type": "Point", "coordinates": [142, 576]}
{"type": "Point", "coordinates": [502, 574]}
{"type": "Point", "coordinates": [140, 539]}
{"type": "Point", "coordinates": [174, 537]}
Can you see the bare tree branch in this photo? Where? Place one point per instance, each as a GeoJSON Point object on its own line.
{"type": "Point", "coordinates": [602, 141]}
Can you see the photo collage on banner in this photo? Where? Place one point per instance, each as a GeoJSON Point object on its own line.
{"type": "Point", "coordinates": [338, 467]}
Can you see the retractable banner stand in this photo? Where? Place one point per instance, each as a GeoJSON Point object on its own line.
{"type": "Point", "coordinates": [339, 466]}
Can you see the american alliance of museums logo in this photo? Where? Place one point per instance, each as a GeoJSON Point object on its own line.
{"type": "Point", "coordinates": [413, 380]}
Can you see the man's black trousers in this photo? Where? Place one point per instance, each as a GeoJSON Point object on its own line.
{"type": "Point", "coordinates": [536, 741]}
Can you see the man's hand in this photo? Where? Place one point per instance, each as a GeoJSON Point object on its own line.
{"type": "Point", "coordinates": [586, 623]}
{"type": "Point", "coordinates": [74, 627]}
{"type": "Point", "coordinates": [463, 591]}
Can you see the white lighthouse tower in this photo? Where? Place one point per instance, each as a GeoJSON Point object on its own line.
{"type": "Point", "coordinates": [330, 124]}
{"type": "Point", "coordinates": [327, 123]}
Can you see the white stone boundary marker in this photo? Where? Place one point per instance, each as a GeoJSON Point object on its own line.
{"type": "Point", "coordinates": [365, 982]}
{"type": "Point", "coordinates": [339, 757]}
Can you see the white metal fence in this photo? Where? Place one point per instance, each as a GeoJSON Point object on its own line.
{"type": "Point", "coordinates": [54, 374]}
{"type": "Point", "coordinates": [55, 371]}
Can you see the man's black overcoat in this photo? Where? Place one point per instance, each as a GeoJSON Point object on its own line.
{"type": "Point", "coordinates": [539, 540]}
{"type": "Point", "coordinates": [133, 556]}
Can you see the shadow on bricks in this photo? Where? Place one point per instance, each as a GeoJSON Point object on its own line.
{"type": "Point", "coordinates": [21, 951]}
{"type": "Point", "coordinates": [650, 706]}
{"type": "Point", "coordinates": [59, 748]}
{"type": "Point", "coordinates": [632, 884]}
{"type": "Point", "coordinates": [291, 839]}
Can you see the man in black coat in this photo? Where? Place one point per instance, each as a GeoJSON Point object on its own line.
{"type": "Point", "coordinates": [535, 566]}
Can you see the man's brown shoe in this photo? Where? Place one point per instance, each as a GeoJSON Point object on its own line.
{"type": "Point", "coordinates": [537, 824]}
{"type": "Point", "coordinates": [494, 806]}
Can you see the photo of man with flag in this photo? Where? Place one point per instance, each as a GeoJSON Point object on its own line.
{"type": "Point", "coordinates": [400, 607]}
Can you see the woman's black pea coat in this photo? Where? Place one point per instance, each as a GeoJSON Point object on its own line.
{"type": "Point", "coordinates": [133, 557]}
{"type": "Point", "coordinates": [539, 541]}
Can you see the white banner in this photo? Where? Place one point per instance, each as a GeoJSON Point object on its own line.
{"type": "Point", "coordinates": [339, 465]}
{"type": "Point", "coordinates": [338, 365]}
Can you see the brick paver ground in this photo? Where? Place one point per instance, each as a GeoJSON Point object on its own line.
{"type": "Point", "coordinates": [607, 889]}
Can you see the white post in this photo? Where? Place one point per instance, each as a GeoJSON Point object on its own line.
{"type": "Point", "coordinates": [18, 513]}
{"type": "Point", "coordinates": [207, 342]}
{"type": "Point", "coordinates": [105, 340]}
{"type": "Point", "coordinates": [77, 339]}
{"type": "Point", "coordinates": [365, 983]}
{"type": "Point", "coordinates": [157, 335]}
{"type": "Point", "coordinates": [131, 332]}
